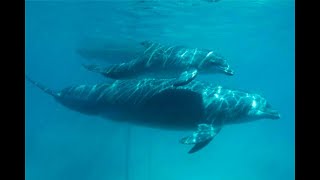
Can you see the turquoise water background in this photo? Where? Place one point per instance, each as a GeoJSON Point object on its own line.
{"type": "Point", "coordinates": [257, 37]}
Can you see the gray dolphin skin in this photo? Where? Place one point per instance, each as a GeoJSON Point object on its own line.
{"type": "Point", "coordinates": [157, 103]}
{"type": "Point", "coordinates": [162, 61]}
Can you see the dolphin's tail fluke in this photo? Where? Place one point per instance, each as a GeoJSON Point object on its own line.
{"type": "Point", "coordinates": [42, 87]}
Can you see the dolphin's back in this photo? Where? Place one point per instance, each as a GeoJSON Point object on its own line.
{"type": "Point", "coordinates": [159, 55]}
{"type": "Point", "coordinates": [82, 98]}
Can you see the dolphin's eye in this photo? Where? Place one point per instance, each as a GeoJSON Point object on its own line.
{"type": "Point", "coordinates": [268, 105]}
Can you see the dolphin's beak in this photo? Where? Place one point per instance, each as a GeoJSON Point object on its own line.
{"type": "Point", "coordinates": [229, 72]}
{"type": "Point", "coordinates": [271, 114]}
{"type": "Point", "coordinates": [226, 70]}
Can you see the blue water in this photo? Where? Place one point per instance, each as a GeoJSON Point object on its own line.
{"type": "Point", "coordinates": [257, 37]}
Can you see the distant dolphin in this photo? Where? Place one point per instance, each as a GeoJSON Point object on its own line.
{"type": "Point", "coordinates": [161, 61]}
{"type": "Point", "coordinates": [109, 49]}
{"type": "Point", "coordinates": [156, 103]}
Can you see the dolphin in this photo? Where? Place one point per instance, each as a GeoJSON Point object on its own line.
{"type": "Point", "coordinates": [108, 49]}
{"type": "Point", "coordinates": [162, 61]}
{"type": "Point", "coordinates": [200, 107]}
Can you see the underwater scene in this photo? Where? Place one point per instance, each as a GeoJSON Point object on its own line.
{"type": "Point", "coordinates": [160, 90]}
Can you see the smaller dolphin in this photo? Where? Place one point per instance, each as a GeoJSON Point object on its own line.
{"type": "Point", "coordinates": [161, 61]}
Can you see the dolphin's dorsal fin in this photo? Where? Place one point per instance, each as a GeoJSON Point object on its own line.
{"type": "Point", "coordinates": [200, 138]}
{"type": "Point", "coordinates": [186, 77]}
{"type": "Point", "coordinates": [146, 43]}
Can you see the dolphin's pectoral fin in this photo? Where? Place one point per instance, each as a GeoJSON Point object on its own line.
{"type": "Point", "coordinates": [201, 137]}
{"type": "Point", "coordinates": [186, 77]}
{"type": "Point", "coordinates": [199, 146]}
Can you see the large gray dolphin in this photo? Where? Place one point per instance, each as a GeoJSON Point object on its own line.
{"type": "Point", "coordinates": [198, 106]}
{"type": "Point", "coordinates": [162, 61]}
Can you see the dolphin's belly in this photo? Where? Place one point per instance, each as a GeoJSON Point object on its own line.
{"type": "Point", "coordinates": [166, 117]}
